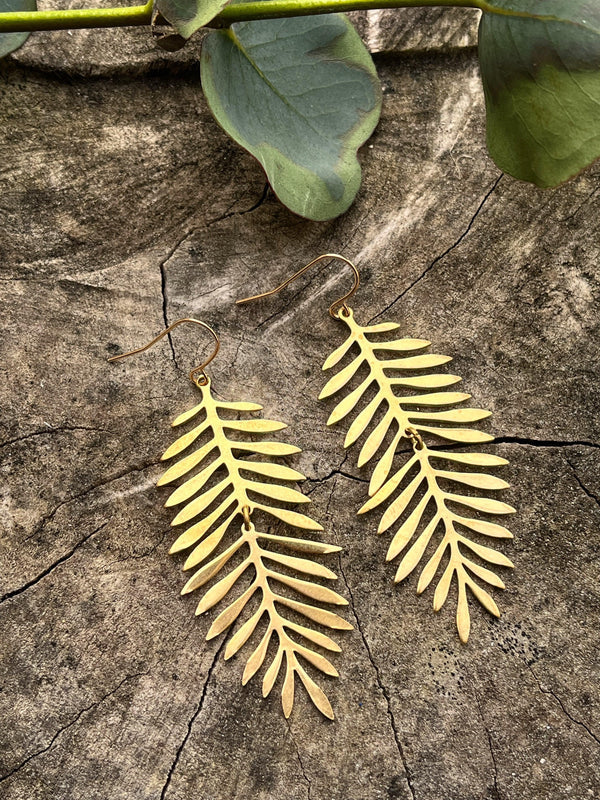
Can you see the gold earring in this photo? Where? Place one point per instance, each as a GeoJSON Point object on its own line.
{"type": "Point", "coordinates": [233, 482]}
{"type": "Point", "coordinates": [405, 394]}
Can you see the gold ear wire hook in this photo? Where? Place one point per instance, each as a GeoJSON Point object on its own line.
{"type": "Point", "coordinates": [202, 379]}
{"type": "Point", "coordinates": [336, 306]}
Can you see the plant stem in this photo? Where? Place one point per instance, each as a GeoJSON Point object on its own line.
{"type": "Point", "coordinates": [275, 9]}
{"type": "Point", "coordinates": [67, 19]}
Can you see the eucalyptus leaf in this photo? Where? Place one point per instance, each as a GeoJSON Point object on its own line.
{"type": "Point", "coordinates": [187, 16]}
{"type": "Point", "coordinates": [12, 41]}
{"type": "Point", "coordinates": [300, 94]}
{"type": "Point", "coordinates": [540, 65]}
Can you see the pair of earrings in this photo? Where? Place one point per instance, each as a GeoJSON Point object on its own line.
{"type": "Point", "coordinates": [232, 473]}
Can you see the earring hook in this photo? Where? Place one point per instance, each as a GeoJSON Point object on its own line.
{"type": "Point", "coordinates": [202, 379]}
{"type": "Point", "coordinates": [337, 306]}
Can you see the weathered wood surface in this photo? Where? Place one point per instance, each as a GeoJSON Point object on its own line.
{"type": "Point", "coordinates": [125, 206]}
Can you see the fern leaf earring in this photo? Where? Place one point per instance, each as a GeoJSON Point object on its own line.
{"type": "Point", "coordinates": [225, 482]}
{"type": "Point", "coordinates": [403, 397]}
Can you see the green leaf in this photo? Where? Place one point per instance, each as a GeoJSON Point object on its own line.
{"type": "Point", "coordinates": [186, 16]}
{"type": "Point", "coordinates": [12, 41]}
{"type": "Point", "coordinates": [540, 65]}
{"type": "Point", "coordinates": [301, 95]}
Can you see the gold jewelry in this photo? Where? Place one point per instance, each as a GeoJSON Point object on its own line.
{"type": "Point", "coordinates": [214, 509]}
{"type": "Point", "coordinates": [407, 401]}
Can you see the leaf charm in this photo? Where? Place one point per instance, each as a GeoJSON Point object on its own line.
{"type": "Point", "coordinates": [235, 482]}
{"type": "Point", "coordinates": [428, 409]}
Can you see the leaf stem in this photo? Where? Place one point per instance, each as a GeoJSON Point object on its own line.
{"type": "Point", "coordinates": [68, 19]}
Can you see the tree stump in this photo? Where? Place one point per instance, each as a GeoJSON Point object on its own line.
{"type": "Point", "coordinates": [126, 207]}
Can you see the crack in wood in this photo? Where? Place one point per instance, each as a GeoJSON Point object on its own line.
{"type": "Point", "coordinates": [382, 688]}
{"type": "Point", "coordinates": [191, 722]}
{"type": "Point", "coordinates": [562, 706]}
{"type": "Point", "coordinates": [228, 214]}
{"type": "Point", "coordinates": [49, 431]}
{"type": "Point", "coordinates": [490, 744]}
{"type": "Point", "coordinates": [51, 514]}
{"type": "Point", "coordinates": [70, 724]}
{"type": "Point", "coordinates": [300, 762]}
{"type": "Point", "coordinates": [582, 486]}
{"type": "Point", "coordinates": [437, 259]}
{"type": "Point", "coordinates": [52, 567]}
{"type": "Point", "coordinates": [544, 442]}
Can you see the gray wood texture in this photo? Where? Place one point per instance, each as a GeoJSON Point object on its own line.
{"type": "Point", "coordinates": [124, 207]}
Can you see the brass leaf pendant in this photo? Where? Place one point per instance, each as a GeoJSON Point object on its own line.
{"type": "Point", "coordinates": [238, 489]}
{"type": "Point", "coordinates": [412, 400]}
